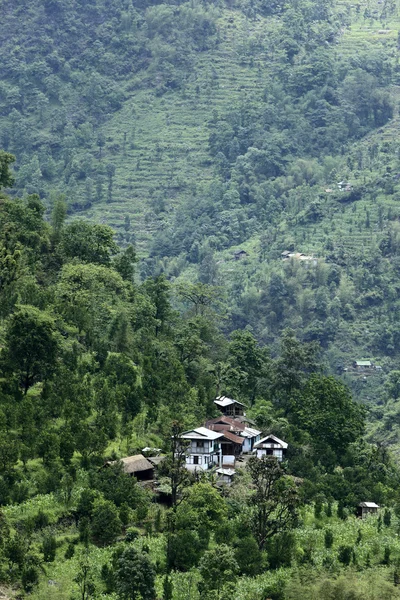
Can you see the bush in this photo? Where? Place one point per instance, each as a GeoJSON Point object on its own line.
{"type": "Point", "coordinates": [106, 525]}
{"type": "Point", "coordinates": [345, 554]}
{"type": "Point", "coordinates": [328, 538]}
{"type": "Point", "coordinates": [49, 548]}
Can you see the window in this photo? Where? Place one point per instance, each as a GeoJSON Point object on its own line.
{"type": "Point", "coordinates": [195, 460]}
{"type": "Point", "coordinates": [200, 444]}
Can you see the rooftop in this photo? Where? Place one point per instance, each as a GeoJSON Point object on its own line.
{"type": "Point", "coordinates": [224, 401]}
{"type": "Point", "coordinates": [134, 464]}
{"type": "Point", "coordinates": [201, 433]}
{"type": "Point", "coordinates": [271, 439]}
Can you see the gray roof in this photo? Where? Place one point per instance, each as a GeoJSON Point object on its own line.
{"type": "Point", "coordinates": [224, 401]}
{"type": "Point", "coordinates": [201, 433]}
{"type": "Point", "coordinates": [228, 472]}
{"type": "Point", "coordinates": [363, 363]}
{"type": "Point", "coordinates": [275, 442]}
{"type": "Point", "coordinates": [368, 505]}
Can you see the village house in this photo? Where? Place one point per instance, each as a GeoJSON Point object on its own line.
{"type": "Point", "coordinates": [229, 407]}
{"type": "Point", "coordinates": [137, 466]}
{"type": "Point", "coordinates": [239, 254]}
{"type": "Point", "coordinates": [249, 436]}
{"type": "Point", "coordinates": [367, 508]}
{"type": "Point", "coordinates": [271, 446]}
{"type": "Point", "coordinates": [362, 365]}
{"type": "Point", "coordinates": [204, 449]}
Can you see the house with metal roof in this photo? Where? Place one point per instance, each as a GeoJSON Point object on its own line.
{"type": "Point", "coordinates": [271, 445]}
{"type": "Point", "coordinates": [229, 406]}
{"type": "Point", "coordinates": [367, 508]}
{"type": "Point", "coordinates": [203, 448]}
{"type": "Point", "coordinates": [249, 435]}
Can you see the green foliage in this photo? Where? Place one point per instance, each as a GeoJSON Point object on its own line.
{"type": "Point", "coordinates": [134, 575]}
{"type": "Point", "coordinates": [105, 525]}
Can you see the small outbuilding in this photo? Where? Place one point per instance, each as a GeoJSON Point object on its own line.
{"type": "Point", "coordinates": [136, 465]}
{"type": "Point", "coordinates": [362, 365]}
{"type": "Point", "coordinates": [229, 407]}
{"type": "Point", "coordinates": [225, 475]}
{"type": "Point", "coordinates": [367, 508]}
{"type": "Point", "coordinates": [239, 254]}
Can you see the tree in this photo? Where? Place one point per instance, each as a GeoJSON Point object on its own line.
{"type": "Point", "coordinates": [32, 345]}
{"type": "Point", "coordinates": [326, 410]}
{"type": "Point", "coordinates": [134, 576]}
{"type": "Point", "coordinates": [106, 525]}
{"type": "Point", "coordinates": [6, 179]}
{"type": "Point", "coordinates": [217, 568]}
{"type": "Point", "coordinates": [274, 501]}
{"type": "Point", "coordinates": [88, 243]}
{"type": "Point", "coordinates": [200, 295]}
{"type": "Point", "coordinates": [174, 463]}
{"type": "Point", "coordinates": [246, 364]}
{"type": "Point", "coordinates": [158, 290]}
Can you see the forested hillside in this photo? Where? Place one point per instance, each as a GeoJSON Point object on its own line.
{"type": "Point", "coordinates": [196, 130]}
{"type": "Point", "coordinates": [199, 199]}
{"type": "Point", "coordinates": [95, 366]}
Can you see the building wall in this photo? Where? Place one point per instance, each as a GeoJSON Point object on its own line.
{"type": "Point", "coordinates": [277, 452]}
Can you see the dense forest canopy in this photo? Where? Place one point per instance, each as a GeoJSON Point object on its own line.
{"type": "Point", "coordinates": [198, 199]}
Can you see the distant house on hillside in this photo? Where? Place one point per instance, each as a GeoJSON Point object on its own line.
{"type": "Point", "coordinates": [298, 256]}
{"type": "Point", "coordinates": [136, 465]}
{"type": "Point", "coordinates": [229, 407]}
{"type": "Point", "coordinates": [239, 254]}
{"type": "Point", "coordinates": [367, 508]}
{"type": "Point", "coordinates": [204, 448]}
{"type": "Point", "coordinates": [271, 446]}
{"type": "Point", "coordinates": [362, 365]}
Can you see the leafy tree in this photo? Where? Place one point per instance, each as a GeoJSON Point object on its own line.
{"type": "Point", "coordinates": [105, 525]}
{"type": "Point", "coordinates": [6, 179]}
{"type": "Point", "coordinates": [32, 345]}
{"type": "Point", "coordinates": [274, 500]}
{"type": "Point", "coordinates": [88, 243]}
{"type": "Point", "coordinates": [327, 411]}
{"type": "Point", "coordinates": [217, 568]}
{"type": "Point", "coordinates": [134, 576]}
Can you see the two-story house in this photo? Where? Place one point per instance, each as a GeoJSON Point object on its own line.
{"type": "Point", "coordinates": [203, 448]}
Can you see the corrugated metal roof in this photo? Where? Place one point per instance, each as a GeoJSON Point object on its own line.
{"type": "Point", "coordinates": [228, 472]}
{"type": "Point", "coordinates": [224, 401]}
{"type": "Point", "coordinates": [200, 433]}
{"type": "Point", "coordinates": [234, 424]}
{"type": "Point", "coordinates": [233, 438]}
{"type": "Point", "coordinates": [249, 432]}
{"type": "Point", "coordinates": [275, 439]}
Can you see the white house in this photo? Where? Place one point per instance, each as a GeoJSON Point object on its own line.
{"type": "Point", "coordinates": [204, 450]}
{"type": "Point", "coordinates": [271, 446]}
{"type": "Point", "coordinates": [251, 438]}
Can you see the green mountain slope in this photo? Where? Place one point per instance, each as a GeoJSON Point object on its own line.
{"type": "Point", "coordinates": [195, 130]}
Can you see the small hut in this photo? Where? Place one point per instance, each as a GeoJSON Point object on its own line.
{"type": "Point", "coordinates": [136, 465]}
{"type": "Point", "coordinates": [367, 508]}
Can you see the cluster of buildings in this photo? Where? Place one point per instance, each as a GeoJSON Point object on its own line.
{"type": "Point", "coordinates": [224, 440]}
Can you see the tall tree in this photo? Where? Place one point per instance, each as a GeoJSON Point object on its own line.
{"type": "Point", "coordinates": [274, 501]}
{"type": "Point", "coordinates": [134, 576]}
{"type": "Point", "coordinates": [32, 345]}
